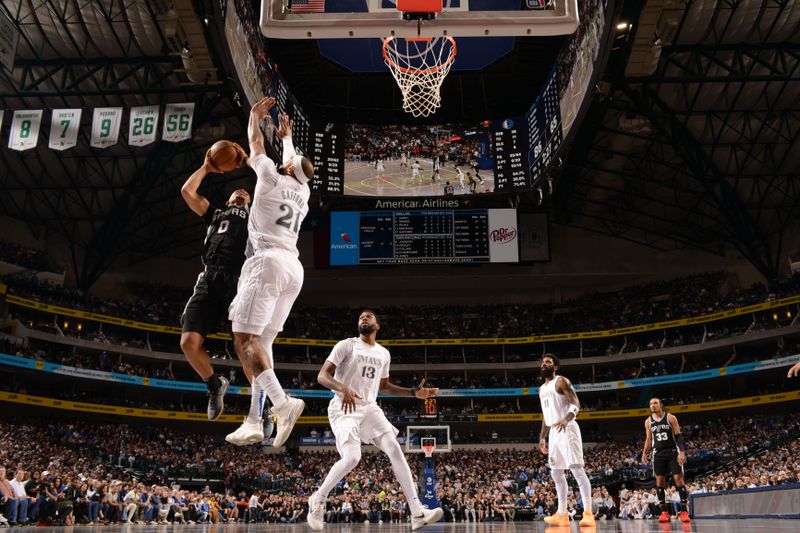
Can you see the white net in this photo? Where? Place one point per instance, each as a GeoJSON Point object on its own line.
{"type": "Point", "coordinates": [419, 66]}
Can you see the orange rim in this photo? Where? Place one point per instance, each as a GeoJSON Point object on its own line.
{"type": "Point", "coordinates": [418, 72]}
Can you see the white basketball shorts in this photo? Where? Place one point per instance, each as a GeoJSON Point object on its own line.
{"type": "Point", "coordinates": [365, 424]}
{"type": "Point", "coordinates": [565, 448]}
{"type": "Point", "coordinates": [268, 286]}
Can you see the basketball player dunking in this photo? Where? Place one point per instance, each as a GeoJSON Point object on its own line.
{"type": "Point", "coordinates": [272, 275]}
{"type": "Point", "coordinates": [564, 445]}
{"type": "Point", "coordinates": [663, 437]}
{"type": "Point", "coordinates": [357, 370]}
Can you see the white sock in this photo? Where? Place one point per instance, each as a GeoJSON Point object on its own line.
{"type": "Point", "coordinates": [561, 489]}
{"type": "Point", "coordinates": [257, 395]}
{"type": "Point", "coordinates": [584, 485]}
{"type": "Point", "coordinates": [388, 444]}
{"type": "Point", "coordinates": [269, 382]}
{"type": "Point", "coordinates": [351, 455]}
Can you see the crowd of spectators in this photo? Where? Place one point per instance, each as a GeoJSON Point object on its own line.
{"type": "Point", "coordinates": [89, 472]}
{"type": "Point", "coordinates": [635, 305]}
{"type": "Point", "coordinates": [29, 258]}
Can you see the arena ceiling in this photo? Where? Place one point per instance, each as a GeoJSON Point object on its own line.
{"type": "Point", "coordinates": [693, 146]}
{"type": "Point", "coordinates": [119, 202]}
{"type": "Point", "coordinates": [692, 140]}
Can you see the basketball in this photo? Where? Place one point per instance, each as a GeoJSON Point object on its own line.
{"type": "Point", "coordinates": [226, 155]}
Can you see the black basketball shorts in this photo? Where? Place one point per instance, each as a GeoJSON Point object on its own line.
{"type": "Point", "coordinates": [664, 465]}
{"type": "Point", "coordinates": [207, 310]}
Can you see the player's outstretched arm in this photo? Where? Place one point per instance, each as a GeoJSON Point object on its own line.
{"type": "Point", "coordinates": [420, 391]}
{"type": "Point", "coordinates": [255, 137]}
{"type": "Point", "coordinates": [794, 371]}
{"type": "Point", "coordinates": [326, 379]}
{"type": "Point", "coordinates": [284, 132]}
{"type": "Point", "coordinates": [648, 440]}
{"type": "Point", "coordinates": [196, 202]}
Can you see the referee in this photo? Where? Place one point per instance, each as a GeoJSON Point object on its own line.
{"type": "Point", "coordinates": [663, 436]}
{"type": "Point", "coordinates": [223, 256]}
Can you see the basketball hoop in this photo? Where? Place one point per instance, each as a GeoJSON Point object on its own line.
{"type": "Point", "coordinates": [428, 449]}
{"type": "Point", "coordinates": [419, 65]}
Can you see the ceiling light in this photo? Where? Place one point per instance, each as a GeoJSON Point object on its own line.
{"type": "Point", "coordinates": [622, 26]}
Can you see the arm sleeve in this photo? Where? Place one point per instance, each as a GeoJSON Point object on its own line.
{"type": "Point", "coordinates": [288, 149]}
{"type": "Point", "coordinates": [266, 171]}
{"type": "Point", "coordinates": [340, 352]}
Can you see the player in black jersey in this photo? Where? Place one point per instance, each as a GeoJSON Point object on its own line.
{"type": "Point", "coordinates": [663, 436]}
{"type": "Point", "coordinates": [223, 256]}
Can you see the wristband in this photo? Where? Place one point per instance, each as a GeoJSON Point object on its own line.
{"type": "Point", "coordinates": [574, 410]}
{"type": "Point", "coordinates": [414, 391]}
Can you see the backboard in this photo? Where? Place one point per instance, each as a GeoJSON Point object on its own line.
{"type": "Point", "coordinates": [415, 435]}
{"type": "Point", "coordinates": [343, 19]}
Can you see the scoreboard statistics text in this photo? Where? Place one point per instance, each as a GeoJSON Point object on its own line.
{"type": "Point", "coordinates": [424, 236]}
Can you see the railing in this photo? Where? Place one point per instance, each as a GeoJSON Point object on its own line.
{"type": "Point", "coordinates": [489, 341]}
{"type": "Point", "coordinates": [194, 386]}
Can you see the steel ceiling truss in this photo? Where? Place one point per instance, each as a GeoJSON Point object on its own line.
{"type": "Point", "coordinates": [713, 158]}
{"type": "Point", "coordinates": [104, 203]}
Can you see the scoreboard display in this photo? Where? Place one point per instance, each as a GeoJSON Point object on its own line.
{"type": "Point", "coordinates": [429, 408]}
{"type": "Point", "coordinates": [510, 144]}
{"type": "Point", "coordinates": [327, 152]}
{"type": "Point", "coordinates": [544, 129]}
{"type": "Point", "coordinates": [424, 236]}
{"type": "Point", "coordinates": [285, 102]}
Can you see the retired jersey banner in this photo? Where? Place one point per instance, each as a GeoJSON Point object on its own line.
{"type": "Point", "coordinates": [177, 122]}
{"type": "Point", "coordinates": [143, 125]}
{"type": "Point", "coordinates": [105, 126]}
{"type": "Point", "coordinates": [25, 130]}
{"type": "Point", "coordinates": [64, 126]}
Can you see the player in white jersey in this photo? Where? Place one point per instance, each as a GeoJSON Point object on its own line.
{"type": "Point", "coordinates": [461, 179]}
{"type": "Point", "coordinates": [415, 170]}
{"type": "Point", "coordinates": [379, 166]}
{"type": "Point", "coordinates": [272, 275]}
{"type": "Point", "coordinates": [564, 446]}
{"type": "Point", "coordinates": [357, 370]}
{"type": "Point", "coordinates": [403, 160]}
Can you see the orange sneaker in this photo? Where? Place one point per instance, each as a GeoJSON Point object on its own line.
{"type": "Point", "coordinates": [664, 517]}
{"type": "Point", "coordinates": [587, 520]}
{"type": "Point", "coordinates": [557, 520]}
{"type": "Point", "coordinates": [684, 516]}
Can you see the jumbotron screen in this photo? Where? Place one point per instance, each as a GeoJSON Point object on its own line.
{"type": "Point", "coordinates": [435, 160]}
{"type": "Point", "coordinates": [424, 236]}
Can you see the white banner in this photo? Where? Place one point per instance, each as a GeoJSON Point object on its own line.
{"type": "Point", "coordinates": [143, 123]}
{"type": "Point", "coordinates": [64, 126]}
{"type": "Point", "coordinates": [105, 126]}
{"type": "Point", "coordinates": [177, 122]}
{"type": "Point", "coordinates": [9, 37]}
{"type": "Point", "coordinates": [25, 130]}
{"type": "Point", "coordinates": [503, 241]}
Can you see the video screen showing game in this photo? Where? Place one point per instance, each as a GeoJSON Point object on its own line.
{"type": "Point", "coordinates": [418, 160]}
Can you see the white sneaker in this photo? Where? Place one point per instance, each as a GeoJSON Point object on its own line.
{"type": "Point", "coordinates": [428, 516]}
{"type": "Point", "coordinates": [316, 513]}
{"type": "Point", "coordinates": [247, 434]}
{"type": "Point", "coordinates": [286, 416]}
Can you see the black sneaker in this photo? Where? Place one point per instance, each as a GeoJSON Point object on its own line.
{"type": "Point", "coordinates": [216, 400]}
